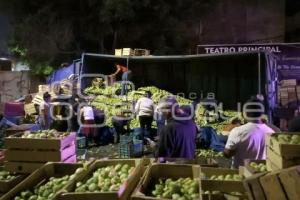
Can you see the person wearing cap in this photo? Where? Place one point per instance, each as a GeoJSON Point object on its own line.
{"type": "Point", "coordinates": [144, 109]}
{"type": "Point", "coordinates": [248, 141]}
{"type": "Point", "coordinates": [177, 137]}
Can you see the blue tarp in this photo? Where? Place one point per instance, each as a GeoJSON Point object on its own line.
{"type": "Point", "coordinates": [209, 139]}
{"type": "Point", "coordinates": [61, 74]}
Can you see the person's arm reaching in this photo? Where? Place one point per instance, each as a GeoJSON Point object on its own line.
{"type": "Point", "coordinates": [231, 145]}
{"type": "Point", "coordinates": [116, 72]}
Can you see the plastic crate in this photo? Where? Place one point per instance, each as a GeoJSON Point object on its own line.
{"type": "Point", "coordinates": [130, 147]}
{"type": "Point", "coordinates": [81, 154]}
{"type": "Point", "coordinates": [81, 142]}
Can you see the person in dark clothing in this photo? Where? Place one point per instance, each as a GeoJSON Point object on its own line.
{"type": "Point", "coordinates": [177, 138]}
{"type": "Point", "coordinates": [294, 125]}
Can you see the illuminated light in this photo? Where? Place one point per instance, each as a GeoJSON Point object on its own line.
{"type": "Point", "coordinates": [4, 59]}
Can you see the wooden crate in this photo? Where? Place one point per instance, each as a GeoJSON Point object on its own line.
{"type": "Point", "coordinates": [217, 185]}
{"type": "Point", "coordinates": [254, 188]}
{"type": "Point", "coordinates": [18, 129]}
{"type": "Point", "coordinates": [43, 89]}
{"type": "Point", "coordinates": [127, 52]}
{"type": "Point", "coordinates": [16, 142]}
{"type": "Point", "coordinates": [250, 171]}
{"type": "Point", "coordinates": [38, 99]}
{"type": "Point", "coordinates": [141, 52]}
{"type": "Point", "coordinates": [288, 83]}
{"type": "Point", "coordinates": [29, 167]}
{"type": "Point", "coordinates": [272, 187]}
{"type": "Point", "coordinates": [30, 109]}
{"type": "Point", "coordinates": [125, 189]}
{"type": "Point", "coordinates": [118, 52]}
{"type": "Point", "coordinates": [40, 155]}
{"type": "Point", "coordinates": [1, 157]}
{"type": "Point", "coordinates": [281, 162]}
{"type": "Point", "coordinates": [271, 166]}
{"type": "Point", "coordinates": [290, 180]}
{"type": "Point", "coordinates": [5, 186]}
{"type": "Point", "coordinates": [287, 150]}
{"type": "Point", "coordinates": [44, 173]}
{"type": "Point", "coordinates": [156, 171]}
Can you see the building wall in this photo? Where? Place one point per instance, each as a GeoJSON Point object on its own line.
{"type": "Point", "coordinates": [244, 21]}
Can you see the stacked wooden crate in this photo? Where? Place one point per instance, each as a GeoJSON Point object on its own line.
{"type": "Point", "coordinates": [25, 155]}
{"type": "Point", "coordinates": [287, 92]}
{"type": "Point", "coordinates": [132, 52]}
{"type": "Point", "coordinates": [141, 52]}
{"type": "Point", "coordinates": [283, 150]}
{"type": "Point", "coordinates": [221, 183]}
{"type": "Point", "coordinates": [277, 185]}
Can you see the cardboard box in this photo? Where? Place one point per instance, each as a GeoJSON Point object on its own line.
{"type": "Point", "coordinates": [290, 180]}
{"type": "Point", "coordinates": [40, 155]}
{"type": "Point", "coordinates": [250, 171]}
{"type": "Point", "coordinates": [5, 186]}
{"type": "Point", "coordinates": [29, 167]}
{"type": "Point", "coordinates": [124, 191]}
{"type": "Point", "coordinates": [16, 142]}
{"type": "Point", "coordinates": [42, 174]}
{"type": "Point", "coordinates": [286, 150]}
{"type": "Point", "coordinates": [164, 171]}
{"type": "Point", "coordinates": [272, 187]}
{"type": "Point", "coordinates": [281, 161]}
{"type": "Point", "coordinates": [254, 188]}
{"type": "Point", "coordinates": [216, 185]}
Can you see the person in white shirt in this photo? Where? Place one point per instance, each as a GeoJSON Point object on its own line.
{"type": "Point", "coordinates": [144, 109]}
{"type": "Point", "coordinates": [44, 112]}
{"type": "Point", "coordinates": [248, 141]}
{"type": "Point", "coordinates": [88, 118]}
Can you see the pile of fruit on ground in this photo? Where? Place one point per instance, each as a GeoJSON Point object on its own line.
{"type": "Point", "coordinates": [113, 105]}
